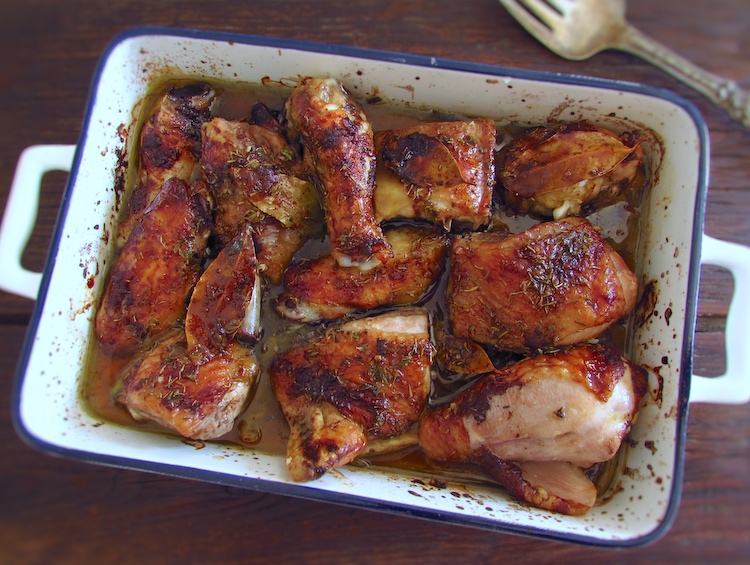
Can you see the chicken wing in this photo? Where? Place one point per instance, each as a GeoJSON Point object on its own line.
{"type": "Point", "coordinates": [439, 171]}
{"type": "Point", "coordinates": [169, 146]}
{"type": "Point", "coordinates": [197, 398]}
{"type": "Point", "coordinates": [555, 284]}
{"type": "Point", "coordinates": [320, 289]}
{"type": "Point", "coordinates": [148, 286]}
{"type": "Point", "coordinates": [338, 141]}
{"type": "Point", "coordinates": [364, 380]}
{"type": "Point", "coordinates": [575, 406]}
{"type": "Point", "coordinates": [225, 303]}
{"type": "Point", "coordinates": [570, 169]}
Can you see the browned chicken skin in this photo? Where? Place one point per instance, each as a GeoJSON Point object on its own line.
{"type": "Point", "coordinates": [338, 141]}
{"type": "Point", "coordinates": [320, 289]}
{"type": "Point", "coordinates": [257, 178]}
{"type": "Point", "coordinates": [439, 171]}
{"type": "Point", "coordinates": [184, 392]}
{"type": "Point", "coordinates": [569, 169]}
{"type": "Point", "coordinates": [147, 288]}
{"type": "Point", "coordinates": [225, 302]}
{"type": "Point", "coordinates": [573, 406]}
{"type": "Point", "coordinates": [169, 146]}
{"type": "Point", "coordinates": [364, 380]}
{"type": "Point", "coordinates": [555, 284]}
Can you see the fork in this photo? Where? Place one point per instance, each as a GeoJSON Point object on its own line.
{"type": "Point", "coordinates": [578, 29]}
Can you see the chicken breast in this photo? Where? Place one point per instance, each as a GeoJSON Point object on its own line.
{"type": "Point", "coordinates": [555, 284]}
{"type": "Point", "coordinates": [361, 381]}
{"type": "Point", "coordinates": [338, 142]}
{"type": "Point", "coordinates": [320, 289]}
{"type": "Point", "coordinates": [183, 392]}
{"type": "Point", "coordinates": [170, 142]}
{"type": "Point", "coordinates": [148, 286]}
{"type": "Point", "coordinates": [573, 406]}
{"type": "Point", "coordinates": [438, 171]}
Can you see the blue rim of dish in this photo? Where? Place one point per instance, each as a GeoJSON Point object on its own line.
{"type": "Point", "coordinates": [306, 492]}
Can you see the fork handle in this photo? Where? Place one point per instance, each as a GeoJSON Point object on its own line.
{"type": "Point", "coordinates": [723, 92]}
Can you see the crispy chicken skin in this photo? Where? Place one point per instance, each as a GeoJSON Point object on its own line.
{"type": "Point", "coordinates": [257, 178]}
{"type": "Point", "coordinates": [575, 405]}
{"type": "Point", "coordinates": [438, 171]}
{"type": "Point", "coordinates": [184, 392]}
{"type": "Point", "coordinates": [225, 300]}
{"type": "Point", "coordinates": [362, 381]}
{"type": "Point", "coordinates": [320, 289]}
{"type": "Point", "coordinates": [170, 143]}
{"type": "Point", "coordinates": [148, 286]}
{"type": "Point", "coordinates": [570, 169]}
{"type": "Point", "coordinates": [338, 142]}
{"type": "Point", "coordinates": [555, 284]}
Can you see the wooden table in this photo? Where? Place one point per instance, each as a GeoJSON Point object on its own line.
{"type": "Point", "coordinates": [60, 511]}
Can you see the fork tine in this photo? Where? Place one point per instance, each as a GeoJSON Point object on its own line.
{"type": "Point", "coordinates": [523, 17]}
{"type": "Point", "coordinates": [528, 21]}
{"type": "Point", "coordinates": [543, 11]}
{"type": "Point", "coordinates": [561, 6]}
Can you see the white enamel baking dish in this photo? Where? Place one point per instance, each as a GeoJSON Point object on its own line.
{"type": "Point", "coordinates": [46, 403]}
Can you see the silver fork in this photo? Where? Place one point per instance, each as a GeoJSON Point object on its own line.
{"type": "Point", "coordinates": [578, 29]}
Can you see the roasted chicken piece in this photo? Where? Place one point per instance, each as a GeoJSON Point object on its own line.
{"type": "Point", "coordinates": [257, 178]}
{"type": "Point", "coordinates": [226, 301]}
{"type": "Point", "coordinates": [439, 171]}
{"type": "Point", "coordinates": [148, 286]}
{"type": "Point", "coordinates": [199, 398]}
{"type": "Point", "coordinates": [338, 142]}
{"type": "Point", "coordinates": [575, 406]}
{"type": "Point", "coordinates": [363, 381]}
{"type": "Point", "coordinates": [569, 170]}
{"type": "Point", "coordinates": [555, 284]}
{"type": "Point", "coordinates": [170, 142]}
{"type": "Point", "coordinates": [320, 289]}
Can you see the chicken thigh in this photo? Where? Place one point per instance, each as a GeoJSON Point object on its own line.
{"type": "Point", "coordinates": [439, 171]}
{"type": "Point", "coordinates": [555, 284]}
{"type": "Point", "coordinates": [198, 398]}
{"type": "Point", "coordinates": [170, 143]}
{"type": "Point", "coordinates": [320, 289]}
{"type": "Point", "coordinates": [573, 406]}
{"type": "Point", "coordinates": [570, 169]}
{"type": "Point", "coordinates": [148, 286]}
{"type": "Point", "coordinates": [257, 178]}
{"type": "Point", "coordinates": [362, 381]}
{"type": "Point", "coordinates": [338, 141]}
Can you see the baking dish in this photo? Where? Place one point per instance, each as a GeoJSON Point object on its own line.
{"type": "Point", "coordinates": [47, 407]}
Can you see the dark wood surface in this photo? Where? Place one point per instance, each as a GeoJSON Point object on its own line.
{"type": "Point", "coordinates": [59, 511]}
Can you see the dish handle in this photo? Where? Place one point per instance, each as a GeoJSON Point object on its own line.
{"type": "Point", "coordinates": [19, 217]}
{"type": "Point", "coordinates": [733, 387]}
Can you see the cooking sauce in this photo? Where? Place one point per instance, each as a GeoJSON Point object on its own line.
{"type": "Point", "coordinates": [262, 426]}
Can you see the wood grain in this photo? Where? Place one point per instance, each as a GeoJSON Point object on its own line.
{"type": "Point", "coordinates": [55, 510]}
